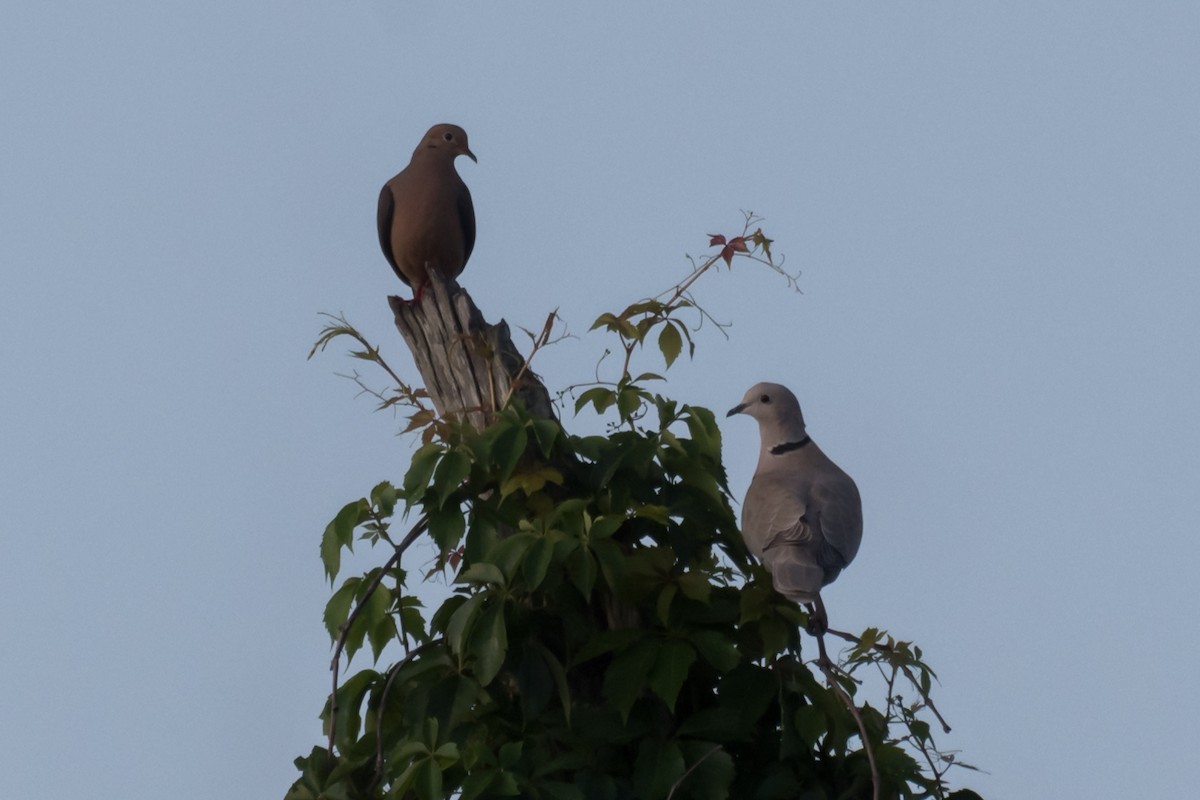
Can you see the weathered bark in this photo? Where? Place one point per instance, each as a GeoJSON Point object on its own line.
{"type": "Point", "coordinates": [469, 366]}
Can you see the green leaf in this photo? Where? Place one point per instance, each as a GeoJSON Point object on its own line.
{"type": "Point", "coordinates": [581, 567]}
{"type": "Point", "coordinates": [383, 497]}
{"type": "Point", "coordinates": [449, 700]}
{"type": "Point", "coordinates": [652, 564]}
{"type": "Point", "coordinates": [412, 623]}
{"type": "Point", "coordinates": [530, 481]}
{"type": "Point", "coordinates": [643, 307]}
{"type": "Point", "coordinates": [695, 586]}
{"type": "Point", "coordinates": [442, 616]}
{"type": "Point", "coordinates": [509, 754]}
{"type": "Point", "coordinates": [408, 750]}
{"type": "Point", "coordinates": [755, 601]}
{"type": "Point", "coordinates": [671, 665]}
{"type": "Point", "coordinates": [508, 448]}
{"type": "Point", "coordinates": [606, 642]}
{"type": "Point", "coordinates": [663, 605]}
{"type": "Point", "coordinates": [508, 553]}
{"type": "Point", "coordinates": [427, 780]}
{"type": "Point", "coordinates": [716, 649]}
{"type": "Point", "coordinates": [506, 785]}
{"type": "Point", "coordinates": [431, 734]}
{"type": "Point", "coordinates": [447, 754]}
{"type": "Point", "coordinates": [313, 772]}
{"type": "Point", "coordinates": [713, 723]}
{"type": "Point", "coordinates": [810, 724]}
{"type": "Point", "coordinates": [460, 622]}
{"type": "Point", "coordinates": [605, 526]}
{"type": "Point", "coordinates": [606, 319]}
{"type": "Point", "coordinates": [920, 729]}
{"type": "Point", "coordinates": [611, 560]}
{"type": "Point", "coordinates": [893, 760]}
{"type": "Point", "coordinates": [377, 624]}
{"type": "Point", "coordinates": [702, 427]}
{"type": "Point", "coordinates": [557, 790]}
{"type": "Point", "coordinates": [481, 573]}
{"type": "Point", "coordinates": [653, 512]}
{"type": "Point", "coordinates": [489, 643]}
{"type": "Point", "coordinates": [560, 679]}
{"type": "Point", "coordinates": [349, 705]}
{"type": "Point", "coordinates": [749, 690]}
{"type": "Point", "coordinates": [629, 400]}
{"type": "Point", "coordinates": [451, 471]}
{"type": "Point", "coordinates": [626, 676]}
{"type": "Point", "coordinates": [672, 441]}
{"type": "Point", "coordinates": [534, 685]}
{"type": "Point", "coordinates": [628, 330]}
{"type": "Point", "coordinates": [600, 398]}
{"type": "Point", "coordinates": [475, 784]}
{"type": "Point", "coordinates": [338, 607]}
{"type": "Point", "coordinates": [446, 527]}
{"type": "Point", "coordinates": [710, 772]}
{"type": "Point", "coordinates": [670, 343]}
{"type": "Point", "coordinates": [537, 562]}
{"type": "Point", "coordinates": [775, 634]}
{"type": "Point", "coordinates": [658, 766]}
{"type": "Point", "coordinates": [339, 533]}
{"type": "Point", "coordinates": [419, 472]}
{"type": "Point", "coordinates": [546, 432]}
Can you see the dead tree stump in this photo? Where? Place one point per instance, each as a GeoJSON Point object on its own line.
{"type": "Point", "coordinates": [469, 366]}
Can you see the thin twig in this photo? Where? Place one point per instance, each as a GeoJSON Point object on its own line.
{"type": "Point", "coordinates": [827, 667]}
{"type": "Point", "coordinates": [928, 700]}
{"type": "Point", "coordinates": [683, 777]}
{"type": "Point", "coordinates": [344, 629]}
{"type": "Point", "coordinates": [539, 341]}
{"type": "Point", "coordinates": [387, 687]}
{"type": "Point", "coordinates": [937, 774]}
{"type": "Point", "coordinates": [883, 648]}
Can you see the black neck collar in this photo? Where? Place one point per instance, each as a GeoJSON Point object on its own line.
{"type": "Point", "coordinates": [788, 447]}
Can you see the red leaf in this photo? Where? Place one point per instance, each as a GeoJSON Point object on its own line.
{"type": "Point", "coordinates": [727, 254]}
{"type": "Point", "coordinates": [739, 244]}
{"type": "Point", "coordinates": [715, 239]}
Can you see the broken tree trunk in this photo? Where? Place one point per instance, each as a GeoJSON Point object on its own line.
{"type": "Point", "coordinates": [469, 366]}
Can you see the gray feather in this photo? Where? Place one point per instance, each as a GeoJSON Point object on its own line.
{"type": "Point", "coordinates": [803, 514]}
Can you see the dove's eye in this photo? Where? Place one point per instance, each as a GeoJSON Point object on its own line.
{"type": "Point", "coordinates": [448, 136]}
{"type": "Point", "coordinates": [766, 398]}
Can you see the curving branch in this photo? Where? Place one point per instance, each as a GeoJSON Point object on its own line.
{"type": "Point", "coordinates": [828, 668]}
{"type": "Point", "coordinates": [344, 629]}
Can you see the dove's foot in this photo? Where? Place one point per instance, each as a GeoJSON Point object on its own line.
{"type": "Point", "coordinates": [818, 620]}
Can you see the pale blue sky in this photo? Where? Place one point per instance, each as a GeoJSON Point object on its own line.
{"type": "Point", "coordinates": [995, 207]}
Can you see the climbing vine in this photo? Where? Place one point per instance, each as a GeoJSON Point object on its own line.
{"type": "Point", "coordinates": [608, 635]}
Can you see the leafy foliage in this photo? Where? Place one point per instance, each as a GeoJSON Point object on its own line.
{"type": "Point", "coordinates": [608, 636]}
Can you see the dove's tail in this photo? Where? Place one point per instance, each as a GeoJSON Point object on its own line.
{"type": "Point", "coordinates": [795, 573]}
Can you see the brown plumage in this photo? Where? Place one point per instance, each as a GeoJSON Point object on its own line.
{"type": "Point", "coordinates": [426, 218]}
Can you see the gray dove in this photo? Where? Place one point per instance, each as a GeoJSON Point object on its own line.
{"type": "Point", "coordinates": [802, 515]}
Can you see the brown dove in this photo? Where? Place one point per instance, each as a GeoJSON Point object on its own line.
{"type": "Point", "coordinates": [426, 218]}
{"type": "Point", "coordinates": [802, 515]}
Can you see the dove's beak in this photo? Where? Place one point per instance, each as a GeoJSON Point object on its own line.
{"type": "Point", "coordinates": [737, 409]}
{"type": "Point", "coordinates": [467, 152]}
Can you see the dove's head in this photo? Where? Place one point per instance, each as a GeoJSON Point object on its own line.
{"type": "Point", "coordinates": [445, 139]}
{"type": "Point", "coordinates": [777, 412]}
